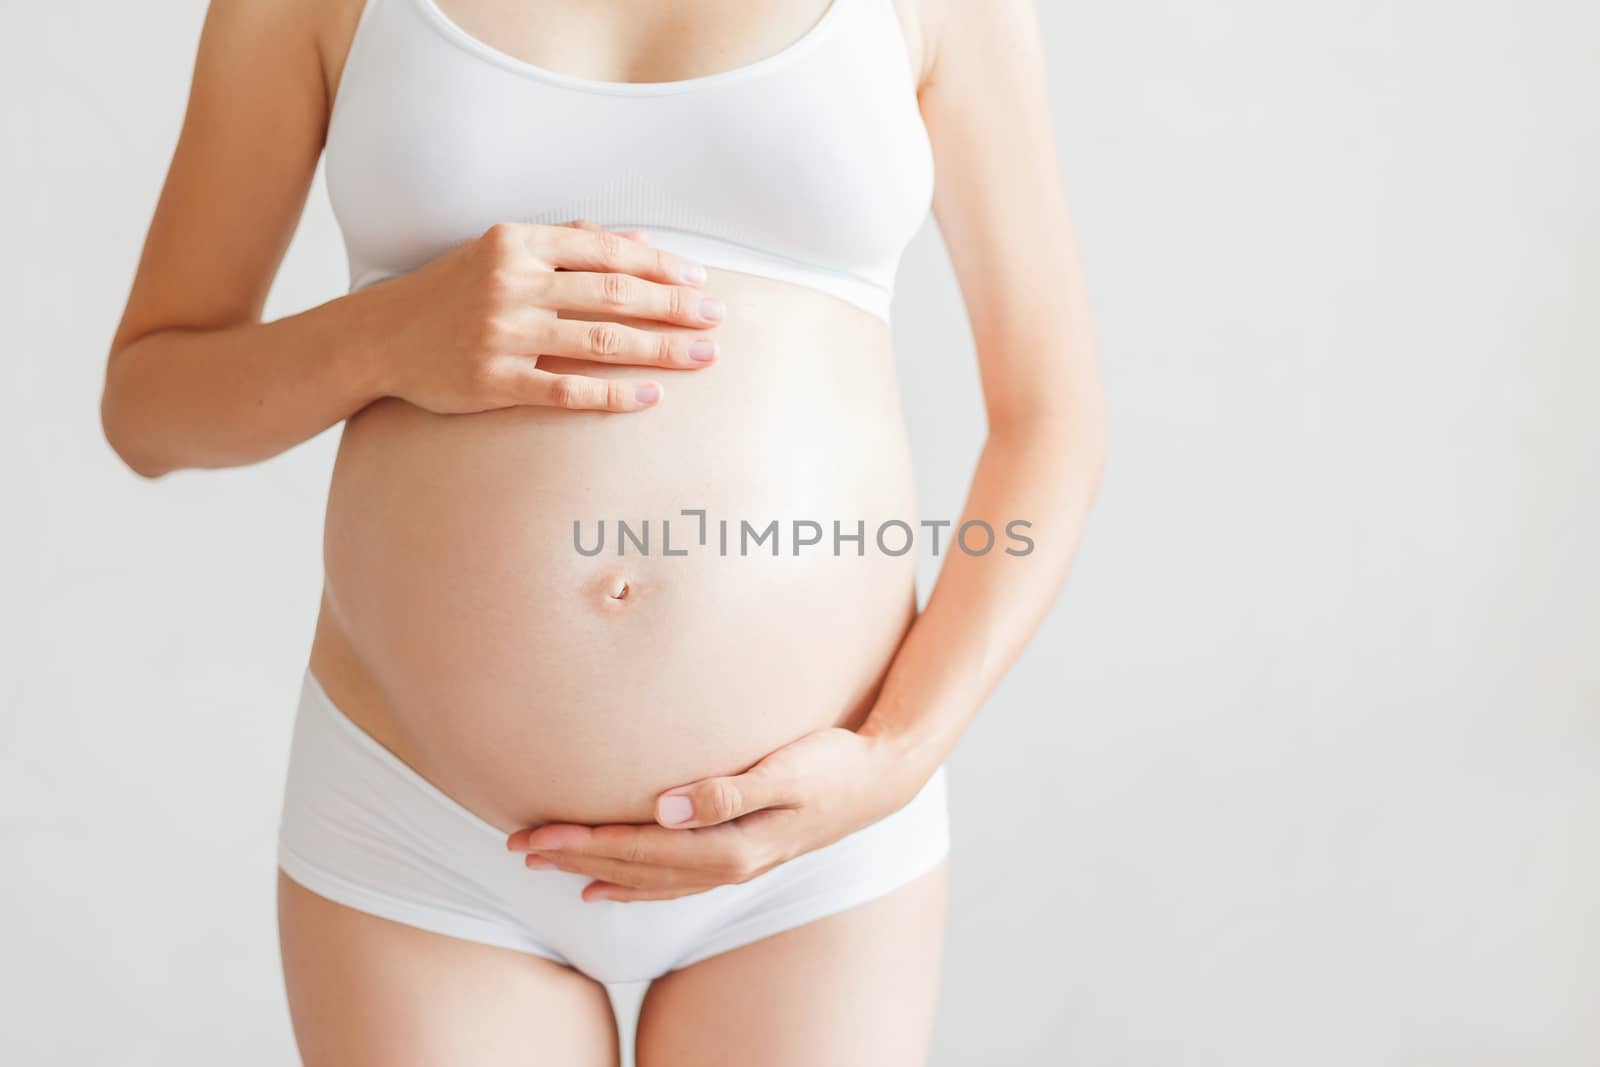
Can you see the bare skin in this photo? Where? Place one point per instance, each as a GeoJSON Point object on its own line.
{"type": "Point", "coordinates": [367, 992]}
{"type": "Point", "coordinates": [467, 374]}
{"type": "Point", "coordinates": [860, 986]}
{"type": "Point", "coordinates": [810, 995]}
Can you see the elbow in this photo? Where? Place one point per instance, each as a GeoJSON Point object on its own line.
{"type": "Point", "coordinates": [1090, 441]}
{"type": "Point", "coordinates": [144, 468]}
{"type": "Point", "coordinates": [1085, 452]}
{"type": "Point", "coordinates": [125, 443]}
{"type": "Point", "coordinates": [1067, 448]}
{"type": "Point", "coordinates": [1077, 433]}
{"type": "Point", "coordinates": [1094, 446]}
{"type": "Point", "coordinates": [120, 427]}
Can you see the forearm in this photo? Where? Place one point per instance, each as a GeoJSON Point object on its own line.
{"type": "Point", "coordinates": [182, 397]}
{"type": "Point", "coordinates": [984, 608]}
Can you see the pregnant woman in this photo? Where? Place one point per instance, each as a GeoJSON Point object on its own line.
{"type": "Point", "coordinates": [623, 262]}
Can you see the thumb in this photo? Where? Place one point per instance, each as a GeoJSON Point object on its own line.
{"type": "Point", "coordinates": [715, 800]}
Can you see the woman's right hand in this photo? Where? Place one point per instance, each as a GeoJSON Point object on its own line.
{"type": "Point", "coordinates": [465, 332]}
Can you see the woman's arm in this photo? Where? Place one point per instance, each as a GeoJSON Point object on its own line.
{"type": "Point", "coordinates": [1004, 217]}
{"type": "Point", "coordinates": [195, 379]}
{"type": "Point", "coordinates": [1000, 205]}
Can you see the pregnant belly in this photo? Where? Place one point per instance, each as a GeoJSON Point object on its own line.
{"type": "Point", "coordinates": [517, 604]}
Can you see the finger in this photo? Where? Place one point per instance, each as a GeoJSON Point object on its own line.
{"type": "Point", "coordinates": [622, 294]}
{"type": "Point", "coordinates": [718, 800]}
{"type": "Point", "coordinates": [585, 224]}
{"type": "Point", "coordinates": [725, 852]}
{"type": "Point", "coordinates": [633, 875]}
{"type": "Point", "coordinates": [522, 382]}
{"type": "Point", "coordinates": [642, 236]}
{"type": "Point", "coordinates": [609, 342]}
{"type": "Point", "coordinates": [597, 891]}
{"type": "Point", "coordinates": [583, 246]}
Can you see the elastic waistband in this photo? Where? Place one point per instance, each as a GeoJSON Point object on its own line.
{"type": "Point", "coordinates": [325, 735]}
{"type": "Point", "coordinates": [327, 740]}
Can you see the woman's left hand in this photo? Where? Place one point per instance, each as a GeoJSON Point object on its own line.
{"type": "Point", "coordinates": [730, 829]}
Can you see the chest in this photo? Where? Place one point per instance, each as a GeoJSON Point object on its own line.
{"type": "Point", "coordinates": [786, 151]}
{"type": "Point", "coordinates": [636, 40]}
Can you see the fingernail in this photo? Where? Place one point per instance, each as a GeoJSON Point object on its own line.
{"type": "Point", "coordinates": [702, 351]}
{"type": "Point", "coordinates": [674, 810]}
{"type": "Point", "coordinates": [535, 862]}
{"type": "Point", "coordinates": [711, 309]}
{"type": "Point", "coordinates": [647, 394]}
{"type": "Point", "coordinates": [692, 274]}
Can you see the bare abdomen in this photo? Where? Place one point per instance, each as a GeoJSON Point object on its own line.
{"type": "Point", "coordinates": [463, 627]}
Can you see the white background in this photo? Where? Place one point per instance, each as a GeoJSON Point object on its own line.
{"type": "Point", "coordinates": [1301, 770]}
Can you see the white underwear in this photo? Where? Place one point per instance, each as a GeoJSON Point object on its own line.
{"type": "Point", "coordinates": [362, 828]}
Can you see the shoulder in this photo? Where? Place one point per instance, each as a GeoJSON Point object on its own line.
{"type": "Point", "coordinates": [914, 23]}
{"type": "Point", "coordinates": [332, 24]}
{"type": "Point", "coordinates": [306, 34]}
{"type": "Point", "coordinates": [274, 25]}
{"type": "Point", "coordinates": [934, 27]}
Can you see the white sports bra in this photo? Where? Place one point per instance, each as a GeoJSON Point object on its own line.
{"type": "Point", "coordinates": [810, 166]}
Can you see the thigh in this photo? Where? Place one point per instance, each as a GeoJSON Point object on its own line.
{"type": "Point", "coordinates": [857, 987]}
{"type": "Point", "coordinates": [365, 992]}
